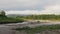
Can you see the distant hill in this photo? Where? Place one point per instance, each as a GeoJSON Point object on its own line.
{"type": "Point", "coordinates": [15, 15]}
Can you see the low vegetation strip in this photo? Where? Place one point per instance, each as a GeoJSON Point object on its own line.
{"type": "Point", "coordinates": [41, 17]}
{"type": "Point", "coordinates": [38, 29]}
{"type": "Point", "coordinates": [5, 20]}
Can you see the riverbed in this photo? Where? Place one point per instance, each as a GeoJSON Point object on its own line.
{"type": "Point", "coordinates": [7, 28]}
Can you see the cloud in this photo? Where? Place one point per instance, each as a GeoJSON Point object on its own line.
{"type": "Point", "coordinates": [30, 6]}
{"type": "Point", "coordinates": [22, 12]}
{"type": "Point", "coordinates": [26, 4]}
{"type": "Point", "coordinates": [53, 9]}
{"type": "Point", "coordinates": [19, 4]}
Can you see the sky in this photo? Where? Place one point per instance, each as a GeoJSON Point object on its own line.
{"type": "Point", "coordinates": [30, 6]}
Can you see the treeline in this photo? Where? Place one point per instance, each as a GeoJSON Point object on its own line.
{"type": "Point", "coordinates": [43, 17]}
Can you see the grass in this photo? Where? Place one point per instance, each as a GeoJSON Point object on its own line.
{"type": "Point", "coordinates": [39, 28]}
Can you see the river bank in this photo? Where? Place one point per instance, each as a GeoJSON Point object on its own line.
{"type": "Point", "coordinates": [7, 28]}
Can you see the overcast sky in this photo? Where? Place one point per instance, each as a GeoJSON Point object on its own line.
{"type": "Point", "coordinates": [30, 6]}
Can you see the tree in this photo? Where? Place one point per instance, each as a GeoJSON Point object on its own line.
{"type": "Point", "coordinates": [2, 12]}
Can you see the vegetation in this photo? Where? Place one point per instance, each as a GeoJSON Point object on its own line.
{"type": "Point", "coordinates": [41, 17]}
{"type": "Point", "coordinates": [39, 28]}
{"type": "Point", "coordinates": [4, 19]}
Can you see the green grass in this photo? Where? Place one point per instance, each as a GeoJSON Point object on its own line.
{"type": "Point", "coordinates": [5, 20]}
{"type": "Point", "coordinates": [39, 28]}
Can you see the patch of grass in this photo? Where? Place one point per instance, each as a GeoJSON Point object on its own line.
{"type": "Point", "coordinates": [39, 28]}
